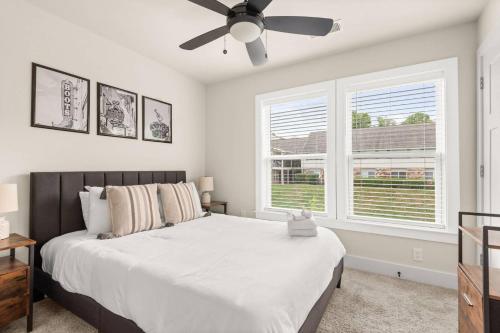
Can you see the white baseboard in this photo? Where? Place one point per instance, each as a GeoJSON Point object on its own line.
{"type": "Point", "coordinates": [412, 273]}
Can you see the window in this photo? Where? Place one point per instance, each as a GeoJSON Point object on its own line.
{"type": "Point", "coordinates": [294, 150]}
{"type": "Point", "coordinates": [379, 157]}
{"type": "Point", "coordinates": [395, 129]}
{"type": "Point", "coordinates": [297, 139]}
{"type": "Point", "coordinates": [285, 171]}
{"type": "Point", "coordinates": [398, 174]}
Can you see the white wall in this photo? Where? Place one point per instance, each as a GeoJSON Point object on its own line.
{"type": "Point", "coordinates": [230, 143]}
{"type": "Point", "coordinates": [29, 34]}
{"type": "Point", "coordinates": [489, 20]}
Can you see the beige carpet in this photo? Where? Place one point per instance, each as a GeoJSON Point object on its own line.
{"type": "Point", "coordinates": [365, 303]}
{"type": "Point", "coordinates": [375, 303]}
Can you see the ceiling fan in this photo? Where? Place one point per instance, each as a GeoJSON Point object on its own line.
{"type": "Point", "coordinates": [246, 22]}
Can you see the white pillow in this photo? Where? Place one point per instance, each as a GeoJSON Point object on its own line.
{"type": "Point", "coordinates": [99, 221]}
{"type": "Point", "coordinates": [85, 200]}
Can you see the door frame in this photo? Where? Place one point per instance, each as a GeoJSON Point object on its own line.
{"type": "Point", "coordinates": [480, 132]}
{"type": "Point", "coordinates": [491, 42]}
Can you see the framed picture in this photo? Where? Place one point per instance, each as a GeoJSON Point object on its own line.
{"type": "Point", "coordinates": [156, 120]}
{"type": "Point", "coordinates": [59, 100]}
{"type": "Point", "coordinates": [116, 112]}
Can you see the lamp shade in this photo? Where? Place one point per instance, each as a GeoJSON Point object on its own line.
{"type": "Point", "coordinates": [8, 198]}
{"type": "Point", "coordinates": [206, 184]}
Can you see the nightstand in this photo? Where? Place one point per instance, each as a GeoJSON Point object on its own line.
{"type": "Point", "coordinates": [16, 282]}
{"type": "Point", "coordinates": [209, 207]}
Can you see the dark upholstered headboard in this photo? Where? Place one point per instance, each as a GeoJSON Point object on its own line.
{"type": "Point", "coordinates": [55, 207]}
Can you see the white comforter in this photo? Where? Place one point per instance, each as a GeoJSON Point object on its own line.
{"type": "Point", "coordinates": [214, 274]}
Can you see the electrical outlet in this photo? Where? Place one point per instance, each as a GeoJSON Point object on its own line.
{"type": "Point", "coordinates": [418, 254]}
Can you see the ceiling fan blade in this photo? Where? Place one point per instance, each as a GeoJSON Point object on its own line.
{"type": "Point", "coordinates": [257, 52]}
{"type": "Point", "coordinates": [259, 5]}
{"type": "Point", "coordinates": [205, 38]}
{"type": "Point", "coordinates": [214, 5]}
{"type": "Point", "coordinates": [301, 25]}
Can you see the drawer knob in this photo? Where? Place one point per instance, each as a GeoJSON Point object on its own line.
{"type": "Point", "coordinates": [467, 299]}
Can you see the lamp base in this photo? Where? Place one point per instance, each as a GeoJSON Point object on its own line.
{"type": "Point", "coordinates": [4, 228]}
{"type": "Point", "coordinates": [205, 198]}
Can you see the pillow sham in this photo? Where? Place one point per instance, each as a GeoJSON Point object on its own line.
{"type": "Point", "coordinates": [98, 220]}
{"type": "Point", "coordinates": [133, 208]}
{"type": "Point", "coordinates": [180, 202]}
{"type": "Point", "coordinates": [85, 201]}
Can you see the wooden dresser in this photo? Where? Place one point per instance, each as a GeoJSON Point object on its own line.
{"type": "Point", "coordinates": [16, 282]}
{"type": "Point", "coordinates": [478, 285]}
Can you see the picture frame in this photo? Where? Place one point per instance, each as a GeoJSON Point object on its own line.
{"type": "Point", "coordinates": [156, 120]}
{"type": "Point", "coordinates": [59, 100]}
{"type": "Point", "coordinates": [116, 112]}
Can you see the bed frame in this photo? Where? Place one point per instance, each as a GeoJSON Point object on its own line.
{"type": "Point", "coordinates": [55, 210]}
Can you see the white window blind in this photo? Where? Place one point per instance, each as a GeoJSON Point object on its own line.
{"type": "Point", "coordinates": [395, 153]}
{"type": "Point", "coordinates": [296, 154]}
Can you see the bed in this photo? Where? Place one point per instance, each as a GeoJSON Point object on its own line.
{"type": "Point", "coordinates": [218, 273]}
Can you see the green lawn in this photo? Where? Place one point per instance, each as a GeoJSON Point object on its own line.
{"type": "Point", "coordinates": [396, 203]}
{"type": "Point", "coordinates": [299, 195]}
{"type": "Point", "coordinates": [402, 204]}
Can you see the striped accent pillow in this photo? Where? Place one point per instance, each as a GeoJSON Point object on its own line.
{"type": "Point", "coordinates": [180, 202]}
{"type": "Point", "coordinates": [133, 208]}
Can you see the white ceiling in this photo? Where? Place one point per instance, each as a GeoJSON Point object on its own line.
{"type": "Point", "coordinates": [155, 28]}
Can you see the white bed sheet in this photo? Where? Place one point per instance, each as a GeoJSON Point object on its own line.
{"type": "Point", "coordinates": [215, 274]}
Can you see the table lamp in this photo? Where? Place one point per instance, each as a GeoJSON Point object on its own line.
{"type": "Point", "coordinates": [206, 185]}
{"type": "Point", "coordinates": [8, 203]}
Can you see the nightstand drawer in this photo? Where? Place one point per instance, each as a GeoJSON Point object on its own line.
{"type": "Point", "coordinates": [14, 284]}
{"type": "Point", "coordinates": [13, 296]}
{"type": "Point", "coordinates": [470, 305]}
{"type": "Point", "coordinates": [12, 309]}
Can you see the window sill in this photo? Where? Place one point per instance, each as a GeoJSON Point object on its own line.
{"type": "Point", "coordinates": [379, 228]}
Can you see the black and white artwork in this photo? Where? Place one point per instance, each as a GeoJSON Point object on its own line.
{"type": "Point", "coordinates": [156, 120]}
{"type": "Point", "coordinates": [59, 100]}
{"type": "Point", "coordinates": [116, 112]}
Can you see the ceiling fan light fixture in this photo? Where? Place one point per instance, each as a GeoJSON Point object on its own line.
{"type": "Point", "coordinates": [245, 21]}
{"type": "Point", "coordinates": [245, 31]}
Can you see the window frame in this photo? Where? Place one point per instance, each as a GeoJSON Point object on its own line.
{"type": "Point", "coordinates": [263, 156]}
{"type": "Point", "coordinates": [442, 69]}
{"type": "Point", "coordinates": [386, 81]}
{"type": "Point", "coordinates": [336, 159]}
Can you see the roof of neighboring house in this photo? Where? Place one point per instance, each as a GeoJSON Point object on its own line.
{"type": "Point", "coordinates": [400, 137]}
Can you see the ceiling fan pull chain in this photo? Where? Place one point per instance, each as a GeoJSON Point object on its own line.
{"type": "Point", "coordinates": [266, 45]}
{"type": "Point", "coordinates": [225, 48]}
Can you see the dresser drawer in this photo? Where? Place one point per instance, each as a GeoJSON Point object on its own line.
{"type": "Point", "coordinates": [470, 306]}
{"type": "Point", "coordinates": [13, 296]}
